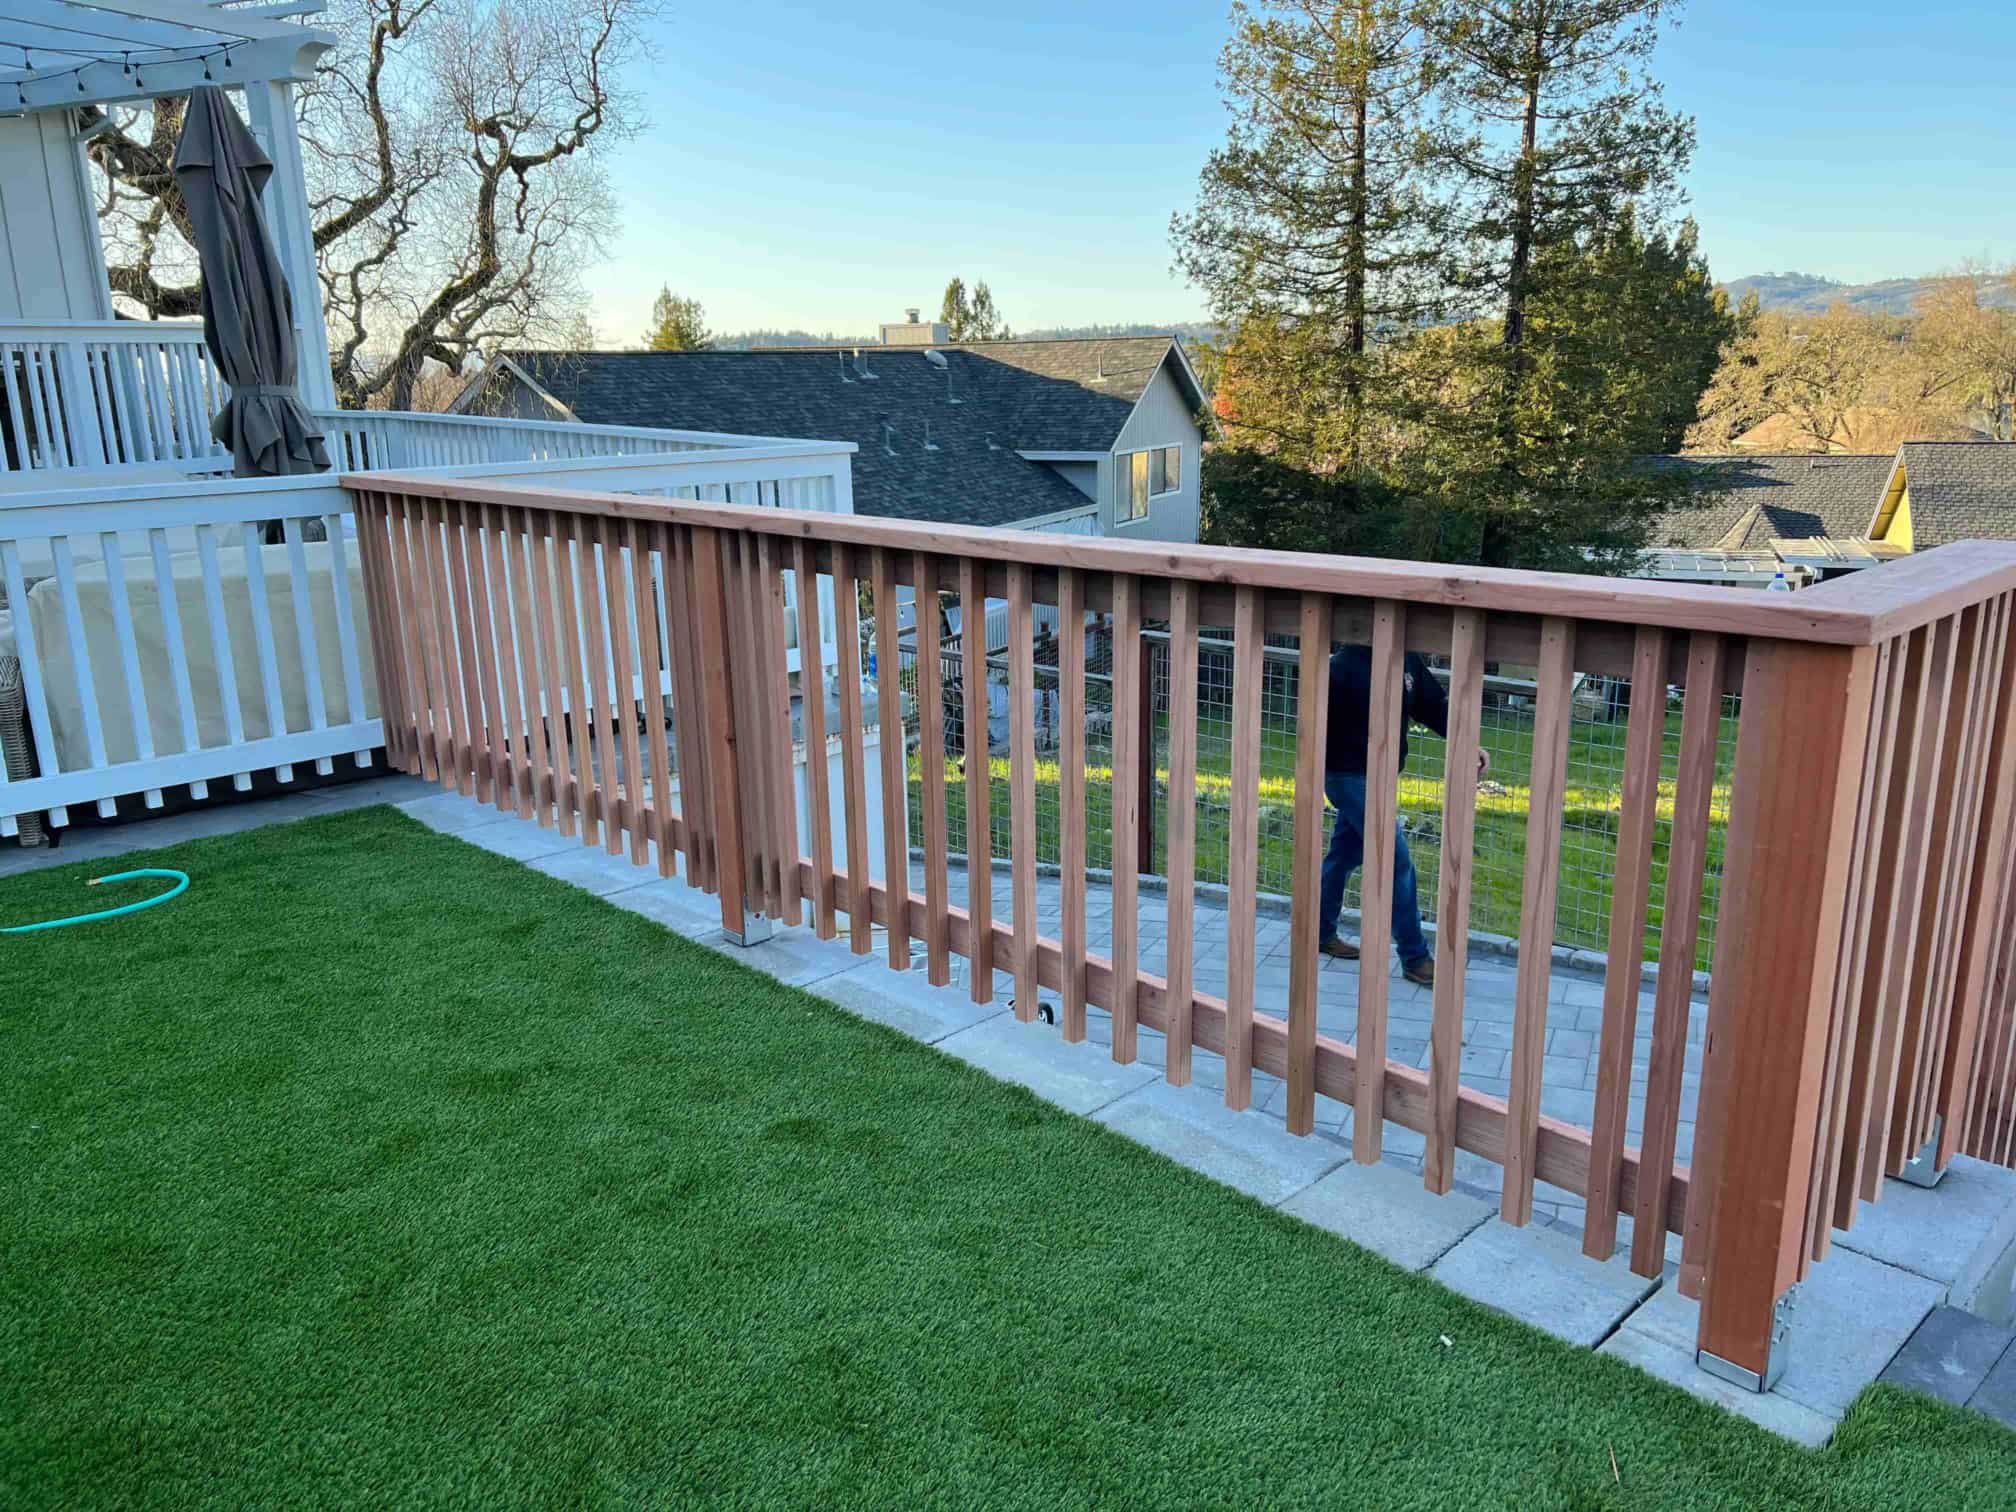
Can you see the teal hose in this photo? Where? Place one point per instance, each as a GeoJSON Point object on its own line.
{"type": "Point", "coordinates": [181, 885]}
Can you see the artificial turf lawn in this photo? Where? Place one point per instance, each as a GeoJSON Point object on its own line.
{"type": "Point", "coordinates": [378, 1168]}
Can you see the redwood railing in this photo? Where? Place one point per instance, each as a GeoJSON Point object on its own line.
{"type": "Point", "coordinates": [1860, 992]}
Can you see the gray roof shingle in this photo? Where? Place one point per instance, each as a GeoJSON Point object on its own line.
{"type": "Point", "coordinates": [988, 401]}
{"type": "Point", "coordinates": [1748, 499]}
{"type": "Point", "coordinates": [1960, 491]}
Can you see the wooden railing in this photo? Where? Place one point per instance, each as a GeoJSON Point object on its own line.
{"type": "Point", "coordinates": [1860, 987]}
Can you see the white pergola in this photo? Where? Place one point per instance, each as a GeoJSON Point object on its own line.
{"type": "Point", "coordinates": [57, 55]}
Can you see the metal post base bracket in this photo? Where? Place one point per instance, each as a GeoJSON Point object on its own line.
{"type": "Point", "coordinates": [1774, 1360]}
{"type": "Point", "coordinates": [756, 929]}
{"type": "Point", "coordinates": [1919, 1170]}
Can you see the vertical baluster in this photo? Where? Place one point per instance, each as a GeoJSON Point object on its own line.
{"type": "Point", "coordinates": [1951, 857]}
{"type": "Point", "coordinates": [128, 423]}
{"type": "Point", "coordinates": [1242, 846]}
{"type": "Point", "coordinates": [1985, 912]}
{"type": "Point", "coordinates": [477, 699]}
{"type": "Point", "coordinates": [979, 781]}
{"type": "Point", "coordinates": [615, 733]}
{"type": "Point", "coordinates": [518, 526]}
{"type": "Point", "coordinates": [49, 448]}
{"type": "Point", "coordinates": [1311, 736]}
{"type": "Point", "coordinates": [506, 627]}
{"type": "Point", "coordinates": [812, 689]}
{"type": "Point", "coordinates": [1452, 909]}
{"type": "Point", "coordinates": [1375, 917]}
{"type": "Point", "coordinates": [30, 656]}
{"type": "Point", "coordinates": [853, 749]}
{"type": "Point", "coordinates": [1071, 796]}
{"type": "Point", "coordinates": [177, 649]}
{"type": "Point", "coordinates": [1182, 828]}
{"type": "Point", "coordinates": [617, 597]}
{"type": "Point", "coordinates": [895, 781]}
{"type": "Point", "coordinates": [751, 702]}
{"type": "Point", "coordinates": [80, 660]}
{"type": "Point", "coordinates": [422, 759]}
{"type": "Point", "coordinates": [683, 637]}
{"type": "Point", "coordinates": [129, 653]}
{"type": "Point", "coordinates": [220, 646]}
{"type": "Point", "coordinates": [545, 565]}
{"type": "Point", "coordinates": [1129, 737]}
{"type": "Point", "coordinates": [1679, 938]}
{"type": "Point", "coordinates": [373, 516]}
{"type": "Point", "coordinates": [581, 721]}
{"type": "Point", "coordinates": [779, 744]}
{"type": "Point", "coordinates": [1022, 786]}
{"type": "Point", "coordinates": [264, 641]}
{"type": "Point", "coordinates": [306, 645]}
{"type": "Point", "coordinates": [454, 760]}
{"type": "Point", "coordinates": [20, 431]}
{"type": "Point", "coordinates": [931, 763]}
{"type": "Point", "coordinates": [1551, 718]}
{"type": "Point", "coordinates": [652, 662]}
{"type": "Point", "coordinates": [1899, 1016]}
{"type": "Point", "coordinates": [1637, 815]}
{"type": "Point", "coordinates": [98, 375]}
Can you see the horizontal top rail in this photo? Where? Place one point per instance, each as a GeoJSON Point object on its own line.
{"type": "Point", "coordinates": [1847, 614]}
{"type": "Point", "coordinates": [500, 423]}
{"type": "Point", "coordinates": [102, 330]}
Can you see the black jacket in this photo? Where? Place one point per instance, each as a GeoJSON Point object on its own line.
{"type": "Point", "coordinates": [1423, 702]}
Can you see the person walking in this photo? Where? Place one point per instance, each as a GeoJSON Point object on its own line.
{"type": "Point", "coordinates": [1344, 777]}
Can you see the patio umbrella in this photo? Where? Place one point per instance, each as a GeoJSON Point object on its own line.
{"type": "Point", "coordinates": [248, 310]}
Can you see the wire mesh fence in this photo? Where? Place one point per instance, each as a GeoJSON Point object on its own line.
{"type": "Point", "coordinates": [1593, 801]}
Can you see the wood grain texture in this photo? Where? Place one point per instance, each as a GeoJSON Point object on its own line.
{"type": "Point", "coordinates": [1071, 795]}
{"type": "Point", "coordinates": [552, 660]}
{"type": "Point", "coordinates": [978, 767]}
{"type": "Point", "coordinates": [780, 747]}
{"type": "Point", "coordinates": [1131, 736]}
{"type": "Point", "coordinates": [1311, 734]}
{"type": "Point", "coordinates": [1243, 849]}
{"type": "Point", "coordinates": [1022, 789]}
{"type": "Point", "coordinates": [931, 762]}
{"type": "Point", "coordinates": [895, 781]}
{"type": "Point", "coordinates": [1679, 938]}
{"type": "Point", "coordinates": [1452, 911]}
{"type": "Point", "coordinates": [618, 598]}
{"type": "Point", "coordinates": [853, 761]}
{"type": "Point", "coordinates": [580, 724]}
{"type": "Point", "coordinates": [1181, 828]}
{"type": "Point", "coordinates": [716, 694]}
{"type": "Point", "coordinates": [1799, 755]}
{"type": "Point", "coordinates": [812, 698]}
{"type": "Point", "coordinates": [1384, 717]}
{"type": "Point", "coordinates": [653, 663]}
{"type": "Point", "coordinates": [1553, 714]}
{"type": "Point", "coordinates": [531, 681]}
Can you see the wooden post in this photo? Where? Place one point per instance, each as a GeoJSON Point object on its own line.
{"type": "Point", "coordinates": [1799, 756]}
{"type": "Point", "coordinates": [711, 616]}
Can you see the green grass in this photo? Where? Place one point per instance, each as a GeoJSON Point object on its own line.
{"type": "Point", "coordinates": [1589, 825]}
{"type": "Point", "coordinates": [377, 1169]}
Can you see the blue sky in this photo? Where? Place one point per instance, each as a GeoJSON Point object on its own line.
{"type": "Point", "coordinates": [825, 165]}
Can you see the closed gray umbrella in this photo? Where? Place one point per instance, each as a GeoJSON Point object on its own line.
{"type": "Point", "coordinates": [248, 310]}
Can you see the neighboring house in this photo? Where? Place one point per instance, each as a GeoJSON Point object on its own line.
{"type": "Point", "coordinates": [987, 433]}
{"type": "Point", "coordinates": [1748, 500]}
{"type": "Point", "coordinates": [1938, 492]}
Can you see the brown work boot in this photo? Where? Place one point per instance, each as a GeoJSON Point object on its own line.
{"type": "Point", "coordinates": [1341, 948]}
{"type": "Point", "coordinates": [1421, 973]}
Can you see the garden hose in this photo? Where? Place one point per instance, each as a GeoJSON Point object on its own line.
{"type": "Point", "coordinates": [181, 885]}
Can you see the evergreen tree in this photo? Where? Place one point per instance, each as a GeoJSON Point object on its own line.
{"type": "Point", "coordinates": [971, 317]}
{"type": "Point", "coordinates": [1316, 220]}
{"type": "Point", "coordinates": [677, 325]}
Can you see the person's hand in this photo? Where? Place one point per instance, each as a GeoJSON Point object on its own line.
{"type": "Point", "coordinates": [1483, 764]}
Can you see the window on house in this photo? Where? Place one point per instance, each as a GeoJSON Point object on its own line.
{"type": "Point", "coordinates": [1142, 475]}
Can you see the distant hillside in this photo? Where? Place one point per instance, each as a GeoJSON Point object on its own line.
{"type": "Point", "coordinates": [1191, 331]}
{"type": "Point", "coordinates": [1810, 294]}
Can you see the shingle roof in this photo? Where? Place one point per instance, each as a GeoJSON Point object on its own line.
{"type": "Point", "coordinates": [1747, 499]}
{"type": "Point", "coordinates": [1011, 395]}
{"type": "Point", "coordinates": [1960, 491]}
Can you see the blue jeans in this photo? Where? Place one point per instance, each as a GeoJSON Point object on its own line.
{"type": "Point", "coordinates": [1346, 792]}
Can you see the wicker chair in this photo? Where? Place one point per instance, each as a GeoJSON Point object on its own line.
{"type": "Point", "coordinates": [14, 746]}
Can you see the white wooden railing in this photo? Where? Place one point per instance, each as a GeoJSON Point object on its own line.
{"type": "Point", "coordinates": [381, 440]}
{"type": "Point", "coordinates": [183, 633]}
{"type": "Point", "coordinates": [105, 393]}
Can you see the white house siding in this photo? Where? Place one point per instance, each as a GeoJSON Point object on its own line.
{"type": "Point", "coordinates": [1162, 418]}
{"type": "Point", "coordinates": [51, 267]}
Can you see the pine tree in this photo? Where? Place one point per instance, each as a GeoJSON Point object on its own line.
{"type": "Point", "coordinates": [677, 325]}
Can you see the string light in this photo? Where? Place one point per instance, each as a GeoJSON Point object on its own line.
{"type": "Point", "coordinates": [135, 72]}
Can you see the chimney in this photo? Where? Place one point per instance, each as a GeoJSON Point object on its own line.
{"type": "Point", "coordinates": [912, 313]}
{"type": "Point", "coordinates": [914, 332]}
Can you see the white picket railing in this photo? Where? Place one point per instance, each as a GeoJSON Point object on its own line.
{"type": "Point", "coordinates": [380, 440]}
{"type": "Point", "coordinates": [105, 393]}
{"type": "Point", "coordinates": [175, 635]}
